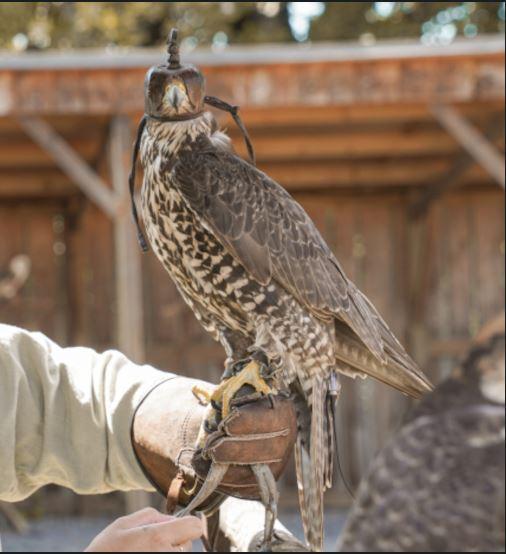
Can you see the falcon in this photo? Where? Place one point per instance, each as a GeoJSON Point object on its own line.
{"type": "Point", "coordinates": [257, 274]}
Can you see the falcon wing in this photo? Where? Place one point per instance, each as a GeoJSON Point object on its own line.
{"type": "Point", "coordinates": [272, 237]}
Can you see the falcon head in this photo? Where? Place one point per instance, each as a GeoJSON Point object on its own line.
{"type": "Point", "coordinates": [485, 363]}
{"type": "Point", "coordinates": [174, 91]}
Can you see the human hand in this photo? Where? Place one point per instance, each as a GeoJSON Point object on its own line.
{"type": "Point", "coordinates": [148, 531]}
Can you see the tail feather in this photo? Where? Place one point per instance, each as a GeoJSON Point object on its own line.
{"type": "Point", "coordinates": [329, 428]}
{"type": "Point", "coordinates": [313, 460]}
{"type": "Point", "coordinates": [399, 372]}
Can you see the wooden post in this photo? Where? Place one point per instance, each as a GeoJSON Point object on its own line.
{"type": "Point", "coordinates": [129, 310]}
{"type": "Point", "coordinates": [417, 274]}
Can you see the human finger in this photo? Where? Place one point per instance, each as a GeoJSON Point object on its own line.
{"type": "Point", "coordinates": [178, 531]}
{"type": "Point", "coordinates": [145, 516]}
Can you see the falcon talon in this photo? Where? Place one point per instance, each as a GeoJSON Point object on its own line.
{"type": "Point", "coordinates": [271, 400]}
{"type": "Point", "coordinates": [201, 395]}
{"type": "Point", "coordinates": [210, 427]}
{"type": "Point", "coordinates": [216, 405]}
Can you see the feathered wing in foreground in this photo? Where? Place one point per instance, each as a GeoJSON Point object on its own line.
{"type": "Point", "coordinates": [258, 275]}
{"type": "Point", "coordinates": [438, 486]}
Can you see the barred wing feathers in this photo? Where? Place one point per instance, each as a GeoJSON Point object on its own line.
{"type": "Point", "coordinates": [271, 235]}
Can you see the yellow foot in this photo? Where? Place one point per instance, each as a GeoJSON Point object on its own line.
{"type": "Point", "coordinates": [201, 395]}
{"type": "Point", "coordinates": [249, 375]}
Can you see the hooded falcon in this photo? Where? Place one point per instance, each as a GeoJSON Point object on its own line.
{"type": "Point", "coordinates": [256, 272]}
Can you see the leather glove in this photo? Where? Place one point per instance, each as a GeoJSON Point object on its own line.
{"type": "Point", "coordinates": [166, 428]}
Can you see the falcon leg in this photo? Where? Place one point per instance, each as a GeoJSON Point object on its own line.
{"type": "Point", "coordinates": [236, 348]}
{"type": "Point", "coordinates": [269, 495]}
{"type": "Point", "coordinates": [250, 374]}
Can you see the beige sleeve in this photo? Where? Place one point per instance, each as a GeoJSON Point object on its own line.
{"type": "Point", "coordinates": [65, 416]}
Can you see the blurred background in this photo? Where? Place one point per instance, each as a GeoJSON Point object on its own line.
{"type": "Point", "coordinates": [384, 119]}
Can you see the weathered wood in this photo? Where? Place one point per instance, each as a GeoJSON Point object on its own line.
{"type": "Point", "coordinates": [387, 173]}
{"type": "Point", "coordinates": [296, 176]}
{"type": "Point", "coordinates": [453, 176]}
{"type": "Point", "coordinates": [347, 115]}
{"type": "Point", "coordinates": [35, 183]}
{"type": "Point", "coordinates": [70, 163]}
{"type": "Point", "coordinates": [129, 302]}
{"type": "Point", "coordinates": [20, 152]}
{"type": "Point", "coordinates": [428, 75]}
{"type": "Point", "coordinates": [36, 230]}
{"type": "Point", "coordinates": [485, 153]}
{"type": "Point", "coordinates": [317, 143]}
{"type": "Point", "coordinates": [417, 269]}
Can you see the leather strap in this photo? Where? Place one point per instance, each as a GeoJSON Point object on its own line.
{"type": "Point", "coordinates": [173, 493]}
{"type": "Point", "coordinates": [185, 117]}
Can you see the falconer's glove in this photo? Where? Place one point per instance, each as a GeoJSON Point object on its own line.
{"type": "Point", "coordinates": [259, 432]}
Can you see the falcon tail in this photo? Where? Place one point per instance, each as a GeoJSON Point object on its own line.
{"type": "Point", "coordinates": [399, 371]}
{"type": "Point", "coordinates": [314, 459]}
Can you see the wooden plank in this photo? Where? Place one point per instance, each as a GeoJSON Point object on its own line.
{"type": "Point", "coordinates": [128, 273]}
{"type": "Point", "coordinates": [91, 251]}
{"type": "Point", "coordinates": [70, 163]}
{"type": "Point", "coordinates": [307, 175]}
{"type": "Point", "coordinates": [35, 230]}
{"type": "Point", "coordinates": [321, 144]}
{"type": "Point", "coordinates": [73, 126]}
{"type": "Point", "coordinates": [418, 266]}
{"type": "Point", "coordinates": [478, 146]}
{"type": "Point", "coordinates": [25, 153]}
{"type": "Point", "coordinates": [486, 247]}
{"type": "Point", "coordinates": [35, 182]}
{"type": "Point", "coordinates": [331, 115]}
{"type": "Point", "coordinates": [303, 176]}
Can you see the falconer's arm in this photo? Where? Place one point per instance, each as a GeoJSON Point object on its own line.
{"type": "Point", "coordinates": [67, 416]}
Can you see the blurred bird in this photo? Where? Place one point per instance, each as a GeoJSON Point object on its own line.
{"type": "Point", "coordinates": [256, 272]}
{"type": "Point", "coordinates": [438, 486]}
{"type": "Point", "coordinates": [13, 279]}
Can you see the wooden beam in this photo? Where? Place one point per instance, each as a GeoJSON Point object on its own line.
{"type": "Point", "coordinates": [27, 154]}
{"type": "Point", "coordinates": [97, 89]}
{"type": "Point", "coordinates": [354, 114]}
{"type": "Point", "coordinates": [317, 143]}
{"type": "Point", "coordinates": [128, 272]}
{"type": "Point", "coordinates": [455, 174]}
{"type": "Point", "coordinates": [71, 163]}
{"type": "Point", "coordinates": [472, 140]}
{"type": "Point", "coordinates": [306, 175]}
{"type": "Point", "coordinates": [35, 182]}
